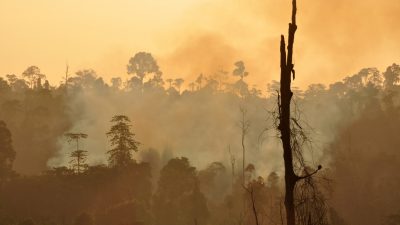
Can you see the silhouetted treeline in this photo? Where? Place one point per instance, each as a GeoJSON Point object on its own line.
{"type": "Point", "coordinates": [352, 125]}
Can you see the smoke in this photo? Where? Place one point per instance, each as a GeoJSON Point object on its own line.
{"type": "Point", "coordinates": [199, 126]}
{"type": "Point", "coordinates": [334, 38]}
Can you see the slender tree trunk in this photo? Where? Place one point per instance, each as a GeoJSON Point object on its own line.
{"type": "Point", "coordinates": [284, 116]}
{"type": "Point", "coordinates": [66, 79]}
{"type": "Point", "coordinates": [244, 158]}
{"type": "Point", "coordinates": [254, 206]}
{"type": "Point", "coordinates": [78, 157]}
{"type": "Point", "coordinates": [79, 162]}
{"type": "Point", "coordinates": [244, 126]}
{"type": "Point", "coordinates": [233, 160]}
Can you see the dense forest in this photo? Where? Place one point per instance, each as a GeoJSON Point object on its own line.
{"type": "Point", "coordinates": [148, 149]}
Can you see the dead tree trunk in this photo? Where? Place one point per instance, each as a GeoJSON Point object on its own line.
{"type": "Point", "coordinates": [287, 68]}
{"type": "Point", "coordinates": [244, 127]}
{"type": "Point", "coordinates": [284, 99]}
{"type": "Point", "coordinates": [66, 79]}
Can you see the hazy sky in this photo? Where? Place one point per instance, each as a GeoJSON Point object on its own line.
{"type": "Point", "coordinates": [189, 37]}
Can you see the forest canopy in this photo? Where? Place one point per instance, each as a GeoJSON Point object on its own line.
{"type": "Point", "coordinates": [159, 150]}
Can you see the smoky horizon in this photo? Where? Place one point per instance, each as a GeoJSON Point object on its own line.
{"type": "Point", "coordinates": [199, 112]}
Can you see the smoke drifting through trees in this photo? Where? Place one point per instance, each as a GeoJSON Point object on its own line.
{"type": "Point", "coordinates": [199, 124]}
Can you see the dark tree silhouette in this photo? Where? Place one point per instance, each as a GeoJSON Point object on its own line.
{"type": "Point", "coordinates": [392, 76]}
{"type": "Point", "coordinates": [285, 97]}
{"type": "Point", "coordinates": [233, 163]}
{"type": "Point", "coordinates": [240, 70]}
{"type": "Point", "coordinates": [244, 126]}
{"type": "Point", "coordinates": [178, 200]}
{"type": "Point", "coordinates": [122, 140]}
{"type": "Point", "coordinates": [169, 81]}
{"type": "Point", "coordinates": [287, 68]}
{"type": "Point", "coordinates": [33, 74]}
{"type": "Point", "coordinates": [240, 85]}
{"type": "Point", "coordinates": [7, 153]}
{"type": "Point", "coordinates": [78, 157]}
{"type": "Point", "coordinates": [116, 82]}
{"type": "Point", "coordinates": [66, 78]}
{"type": "Point", "coordinates": [199, 81]}
{"type": "Point", "coordinates": [142, 64]}
{"type": "Point", "coordinates": [178, 84]}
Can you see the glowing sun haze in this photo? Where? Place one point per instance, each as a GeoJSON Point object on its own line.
{"type": "Point", "coordinates": [189, 37]}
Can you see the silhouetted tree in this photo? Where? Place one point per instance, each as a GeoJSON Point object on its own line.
{"type": "Point", "coordinates": [214, 180]}
{"type": "Point", "coordinates": [142, 64]}
{"type": "Point", "coordinates": [199, 81]}
{"type": "Point", "coordinates": [240, 70]}
{"type": "Point", "coordinates": [287, 68]}
{"type": "Point", "coordinates": [116, 82]}
{"type": "Point", "coordinates": [87, 79]}
{"type": "Point", "coordinates": [285, 97]}
{"type": "Point", "coordinates": [233, 163]}
{"type": "Point", "coordinates": [191, 86]}
{"type": "Point", "coordinates": [66, 78]}
{"type": "Point", "coordinates": [78, 157]}
{"type": "Point", "coordinates": [32, 73]}
{"type": "Point", "coordinates": [7, 153]}
{"type": "Point", "coordinates": [12, 78]}
{"type": "Point", "coordinates": [244, 125]}
{"type": "Point", "coordinates": [392, 76]}
{"type": "Point", "coordinates": [169, 80]}
{"type": "Point", "coordinates": [178, 200]}
{"type": "Point", "coordinates": [240, 86]}
{"type": "Point", "coordinates": [178, 84]}
{"type": "Point", "coordinates": [122, 140]}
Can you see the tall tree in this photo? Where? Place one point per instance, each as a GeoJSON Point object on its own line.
{"type": "Point", "coordinates": [285, 96]}
{"type": "Point", "coordinates": [240, 70]}
{"type": "Point", "coordinates": [169, 80]}
{"type": "Point", "coordinates": [66, 78]}
{"type": "Point", "coordinates": [192, 85]}
{"type": "Point", "coordinates": [78, 157]}
{"type": "Point", "coordinates": [33, 74]}
{"type": "Point", "coordinates": [240, 85]}
{"type": "Point", "coordinates": [7, 153]}
{"type": "Point", "coordinates": [233, 162]}
{"type": "Point", "coordinates": [116, 83]}
{"type": "Point", "coordinates": [244, 128]}
{"type": "Point", "coordinates": [122, 141]}
{"type": "Point", "coordinates": [199, 80]}
{"type": "Point", "coordinates": [142, 64]}
{"type": "Point", "coordinates": [392, 76]}
{"type": "Point", "coordinates": [178, 199]}
{"type": "Point", "coordinates": [178, 84]}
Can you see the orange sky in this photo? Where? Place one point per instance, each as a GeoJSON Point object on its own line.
{"type": "Point", "coordinates": [188, 37]}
